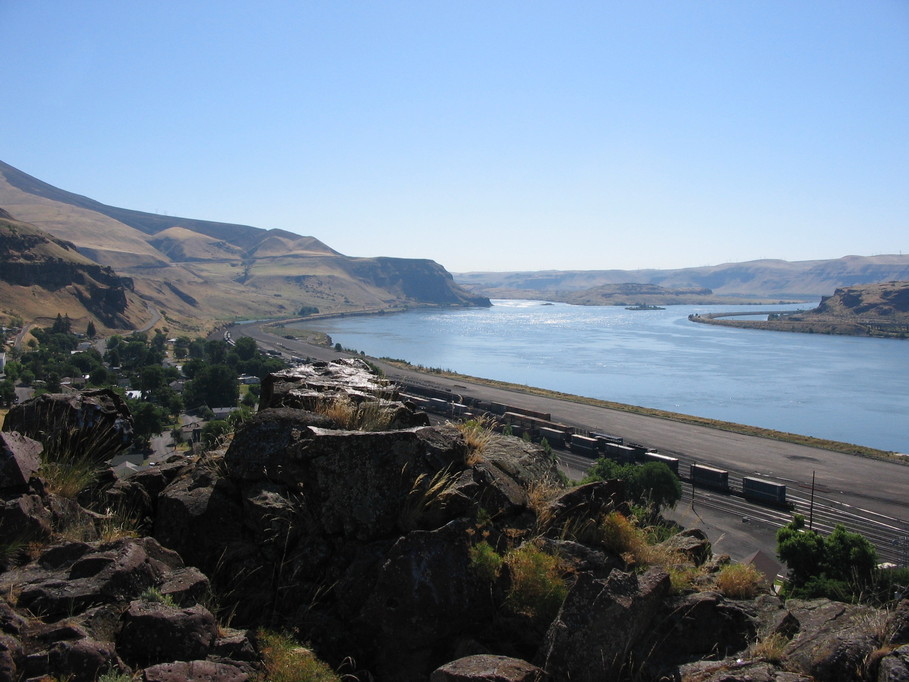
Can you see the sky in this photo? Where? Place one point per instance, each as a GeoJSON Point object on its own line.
{"type": "Point", "coordinates": [484, 135]}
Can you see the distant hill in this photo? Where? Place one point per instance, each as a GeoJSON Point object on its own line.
{"type": "Point", "coordinates": [42, 276]}
{"type": "Point", "coordinates": [760, 279]}
{"type": "Point", "coordinates": [197, 272]}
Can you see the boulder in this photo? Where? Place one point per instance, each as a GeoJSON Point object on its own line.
{"type": "Point", "coordinates": [153, 633]}
{"type": "Point", "coordinates": [691, 543]}
{"type": "Point", "coordinates": [81, 660]}
{"type": "Point", "coordinates": [424, 594]}
{"type": "Point", "coordinates": [20, 458]}
{"type": "Point", "coordinates": [11, 657]}
{"type": "Point", "coordinates": [488, 668]}
{"type": "Point", "coordinates": [600, 623]}
{"type": "Point", "coordinates": [894, 667]}
{"type": "Point", "coordinates": [703, 624]}
{"type": "Point", "coordinates": [68, 579]}
{"type": "Point", "coordinates": [737, 670]}
{"type": "Point", "coordinates": [301, 387]}
{"type": "Point", "coordinates": [834, 639]}
{"type": "Point", "coordinates": [195, 671]}
{"type": "Point", "coordinates": [95, 424]}
{"type": "Point", "coordinates": [348, 483]}
{"type": "Point", "coordinates": [200, 516]}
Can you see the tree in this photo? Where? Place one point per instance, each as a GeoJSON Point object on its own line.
{"type": "Point", "coordinates": [655, 485]}
{"type": "Point", "coordinates": [90, 330]}
{"type": "Point", "coordinates": [213, 385]}
{"type": "Point", "coordinates": [148, 420]}
{"type": "Point", "coordinates": [652, 484]}
{"type": "Point", "coordinates": [841, 565]}
{"type": "Point", "coordinates": [246, 347]}
{"type": "Point", "coordinates": [7, 392]}
{"type": "Point", "coordinates": [801, 549]}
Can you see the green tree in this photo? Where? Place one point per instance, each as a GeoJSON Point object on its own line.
{"type": "Point", "coordinates": [650, 485]}
{"type": "Point", "coordinates": [90, 330]}
{"type": "Point", "coordinates": [148, 420]}
{"type": "Point", "coordinates": [246, 347]}
{"type": "Point", "coordinates": [801, 549]}
{"type": "Point", "coordinates": [655, 485]}
{"type": "Point", "coordinates": [7, 392]}
{"type": "Point", "coordinates": [213, 385]}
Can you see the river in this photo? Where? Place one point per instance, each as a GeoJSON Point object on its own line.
{"type": "Point", "coordinates": [849, 389]}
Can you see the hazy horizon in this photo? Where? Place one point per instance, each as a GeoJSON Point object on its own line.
{"type": "Point", "coordinates": [506, 137]}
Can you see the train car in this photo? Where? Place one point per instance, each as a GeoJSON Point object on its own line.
{"type": "Point", "coordinates": [554, 437]}
{"type": "Point", "coordinates": [760, 490]}
{"type": "Point", "coordinates": [703, 476]}
{"type": "Point", "coordinates": [584, 445]}
{"type": "Point", "coordinates": [671, 462]}
{"type": "Point", "coordinates": [619, 453]}
{"type": "Point", "coordinates": [638, 450]}
{"type": "Point", "coordinates": [607, 438]}
{"type": "Point", "coordinates": [500, 408]}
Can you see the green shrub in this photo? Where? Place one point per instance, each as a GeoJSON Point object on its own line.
{"type": "Point", "coordinates": [537, 586]}
{"type": "Point", "coordinates": [286, 660]}
{"type": "Point", "coordinates": [484, 561]}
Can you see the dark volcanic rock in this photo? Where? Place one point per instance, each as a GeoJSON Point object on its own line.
{"type": "Point", "coordinates": [157, 633]}
{"type": "Point", "coordinates": [82, 660]}
{"type": "Point", "coordinates": [94, 423]}
{"type": "Point", "coordinates": [834, 639]}
{"type": "Point", "coordinates": [424, 594]}
{"type": "Point", "coordinates": [600, 622]}
{"type": "Point", "coordinates": [70, 578]}
{"type": "Point", "coordinates": [19, 460]}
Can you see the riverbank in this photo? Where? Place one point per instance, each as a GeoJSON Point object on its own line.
{"type": "Point", "coordinates": [742, 429]}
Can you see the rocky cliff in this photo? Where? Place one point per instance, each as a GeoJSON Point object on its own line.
{"type": "Point", "coordinates": [55, 270]}
{"type": "Point", "coordinates": [405, 552]}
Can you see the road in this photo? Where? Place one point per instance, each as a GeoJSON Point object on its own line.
{"type": "Point", "coordinates": [867, 495]}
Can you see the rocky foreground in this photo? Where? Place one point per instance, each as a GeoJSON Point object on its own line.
{"type": "Point", "coordinates": [410, 552]}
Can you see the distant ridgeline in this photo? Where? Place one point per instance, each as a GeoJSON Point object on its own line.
{"type": "Point", "coordinates": [195, 272]}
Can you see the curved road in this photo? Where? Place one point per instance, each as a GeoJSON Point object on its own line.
{"type": "Point", "coordinates": [857, 486]}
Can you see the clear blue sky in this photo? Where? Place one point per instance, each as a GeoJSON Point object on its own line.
{"type": "Point", "coordinates": [484, 135]}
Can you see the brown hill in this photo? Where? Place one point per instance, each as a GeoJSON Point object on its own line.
{"type": "Point", "coordinates": [42, 276]}
{"type": "Point", "coordinates": [198, 272]}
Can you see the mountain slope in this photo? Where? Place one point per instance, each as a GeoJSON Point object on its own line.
{"type": "Point", "coordinates": [42, 276]}
{"type": "Point", "coordinates": [197, 272]}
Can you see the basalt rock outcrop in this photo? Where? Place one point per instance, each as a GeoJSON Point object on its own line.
{"type": "Point", "coordinates": [405, 553]}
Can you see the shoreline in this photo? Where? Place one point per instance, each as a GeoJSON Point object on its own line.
{"type": "Point", "coordinates": [678, 417]}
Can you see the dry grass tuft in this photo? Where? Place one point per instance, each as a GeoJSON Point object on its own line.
{"type": "Point", "coordinates": [739, 581]}
{"type": "Point", "coordinates": [477, 434]}
{"type": "Point", "coordinates": [770, 648]}
{"type": "Point", "coordinates": [368, 415]}
{"type": "Point", "coordinates": [425, 492]}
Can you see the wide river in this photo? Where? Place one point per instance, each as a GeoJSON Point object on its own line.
{"type": "Point", "coordinates": [854, 390]}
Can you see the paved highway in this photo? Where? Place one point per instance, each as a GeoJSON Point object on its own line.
{"type": "Point", "coordinates": [866, 495]}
